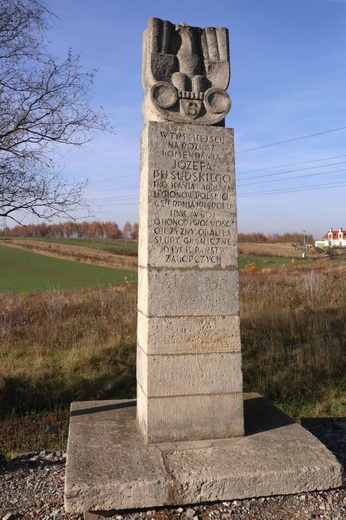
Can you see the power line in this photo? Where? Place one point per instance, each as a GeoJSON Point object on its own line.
{"type": "Point", "coordinates": [252, 149]}
{"type": "Point", "coordinates": [291, 171]}
{"type": "Point", "coordinates": [115, 178]}
{"type": "Point", "coordinates": [119, 205]}
{"type": "Point", "coordinates": [292, 164]}
{"type": "Point", "coordinates": [113, 198]}
{"type": "Point", "coordinates": [291, 140]}
{"type": "Point", "coordinates": [284, 190]}
{"type": "Point", "coordinates": [295, 189]}
{"type": "Point", "coordinates": [294, 177]}
{"type": "Point", "coordinates": [114, 189]}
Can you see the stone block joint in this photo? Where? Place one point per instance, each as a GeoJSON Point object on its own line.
{"type": "Point", "coordinates": [189, 357]}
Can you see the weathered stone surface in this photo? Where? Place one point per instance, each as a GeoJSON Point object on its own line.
{"type": "Point", "coordinates": [109, 467]}
{"type": "Point", "coordinates": [190, 417]}
{"type": "Point", "coordinates": [187, 197]}
{"type": "Point", "coordinates": [186, 71]}
{"type": "Point", "coordinates": [187, 258]}
{"type": "Point", "coordinates": [189, 374]}
{"type": "Point", "coordinates": [189, 334]}
{"type": "Point", "coordinates": [188, 321]}
{"type": "Point", "coordinates": [107, 461]}
{"type": "Point", "coordinates": [142, 412]}
{"type": "Point", "coordinates": [171, 292]}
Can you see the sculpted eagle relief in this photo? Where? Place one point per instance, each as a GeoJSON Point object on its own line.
{"type": "Point", "coordinates": [186, 72]}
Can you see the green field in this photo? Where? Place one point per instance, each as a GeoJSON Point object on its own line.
{"type": "Point", "coordinates": [128, 247]}
{"type": "Point", "coordinates": [26, 271]}
{"type": "Point", "coordinates": [266, 261]}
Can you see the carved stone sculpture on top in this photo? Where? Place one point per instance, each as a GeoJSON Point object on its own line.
{"type": "Point", "coordinates": [186, 71]}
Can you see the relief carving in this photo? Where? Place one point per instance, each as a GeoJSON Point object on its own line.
{"type": "Point", "coordinates": [186, 72]}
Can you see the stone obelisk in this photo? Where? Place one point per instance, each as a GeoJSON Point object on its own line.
{"type": "Point", "coordinates": [189, 378]}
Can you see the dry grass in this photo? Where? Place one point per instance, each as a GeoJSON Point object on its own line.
{"type": "Point", "coordinates": [293, 324]}
{"type": "Point", "coordinates": [56, 347]}
{"type": "Point", "coordinates": [286, 250]}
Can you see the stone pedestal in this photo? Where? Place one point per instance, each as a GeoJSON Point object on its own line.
{"type": "Point", "coordinates": [109, 468]}
{"type": "Point", "coordinates": [189, 379]}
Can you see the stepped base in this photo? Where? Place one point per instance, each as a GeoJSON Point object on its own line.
{"type": "Point", "coordinates": [109, 468]}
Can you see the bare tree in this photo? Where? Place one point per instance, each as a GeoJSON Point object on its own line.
{"type": "Point", "coordinates": [44, 103]}
{"type": "Point", "coordinates": [135, 231]}
{"type": "Point", "coordinates": [127, 230]}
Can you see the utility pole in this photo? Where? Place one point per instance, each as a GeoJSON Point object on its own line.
{"type": "Point", "coordinates": [304, 244]}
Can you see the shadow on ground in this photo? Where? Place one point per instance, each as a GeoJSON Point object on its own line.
{"type": "Point", "coordinates": [331, 432]}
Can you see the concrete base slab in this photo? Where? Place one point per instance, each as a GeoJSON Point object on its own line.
{"type": "Point", "coordinates": [110, 468]}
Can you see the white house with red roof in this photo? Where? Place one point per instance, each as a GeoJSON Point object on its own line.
{"type": "Point", "coordinates": [333, 238]}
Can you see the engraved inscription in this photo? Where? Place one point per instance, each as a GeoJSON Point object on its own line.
{"type": "Point", "coordinates": [192, 199]}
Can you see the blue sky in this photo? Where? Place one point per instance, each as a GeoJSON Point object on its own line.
{"type": "Point", "coordinates": [288, 65]}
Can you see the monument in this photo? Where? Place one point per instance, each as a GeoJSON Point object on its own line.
{"type": "Point", "coordinates": [183, 441]}
{"type": "Point", "coordinates": [188, 358]}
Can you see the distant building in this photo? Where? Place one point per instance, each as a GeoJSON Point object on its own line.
{"type": "Point", "coordinates": [333, 238]}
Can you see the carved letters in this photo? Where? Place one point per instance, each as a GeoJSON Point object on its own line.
{"type": "Point", "coordinates": [192, 219]}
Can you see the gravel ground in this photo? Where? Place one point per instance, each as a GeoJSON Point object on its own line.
{"type": "Point", "coordinates": [32, 486]}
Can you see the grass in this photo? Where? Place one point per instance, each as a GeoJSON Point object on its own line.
{"type": "Point", "coordinates": [251, 262]}
{"type": "Point", "coordinates": [130, 248]}
{"type": "Point", "coordinates": [57, 346]}
{"type": "Point", "coordinates": [293, 326]}
{"type": "Point", "coordinates": [28, 271]}
{"type": "Point", "coordinates": [125, 247]}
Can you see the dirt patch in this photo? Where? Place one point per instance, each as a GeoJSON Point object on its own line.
{"type": "Point", "coordinates": [77, 253]}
